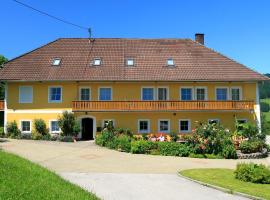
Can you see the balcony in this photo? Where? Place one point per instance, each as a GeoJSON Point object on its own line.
{"type": "Point", "coordinates": [2, 105]}
{"type": "Point", "coordinates": [89, 106]}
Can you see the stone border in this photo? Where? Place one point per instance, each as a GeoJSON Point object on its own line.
{"type": "Point", "coordinates": [262, 154]}
{"type": "Point", "coordinates": [225, 190]}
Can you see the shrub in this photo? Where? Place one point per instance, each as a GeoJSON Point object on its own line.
{"type": "Point", "coordinates": [142, 146]}
{"type": "Point", "coordinates": [173, 149]}
{"type": "Point", "coordinates": [2, 134]}
{"type": "Point", "coordinates": [123, 143]}
{"type": "Point", "coordinates": [36, 136]}
{"type": "Point", "coordinates": [104, 137]}
{"type": "Point", "coordinates": [229, 152]}
{"type": "Point", "coordinates": [54, 137]}
{"type": "Point", "coordinates": [26, 136]}
{"type": "Point", "coordinates": [265, 125]}
{"type": "Point", "coordinates": [12, 130]}
{"type": "Point", "coordinates": [252, 173]}
{"type": "Point", "coordinates": [40, 127]}
{"type": "Point", "coordinates": [46, 137]}
{"type": "Point", "coordinates": [68, 138]}
{"type": "Point", "coordinates": [68, 124]}
{"type": "Point", "coordinates": [123, 131]}
{"type": "Point", "coordinates": [174, 136]}
{"type": "Point", "coordinates": [248, 130]}
{"type": "Point", "coordinates": [251, 146]}
{"type": "Point", "coordinates": [194, 155]}
{"type": "Point", "coordinates": [265, 107]}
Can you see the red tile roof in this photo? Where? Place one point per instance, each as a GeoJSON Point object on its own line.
{"type": "Point", "coordinates": [193, 62]}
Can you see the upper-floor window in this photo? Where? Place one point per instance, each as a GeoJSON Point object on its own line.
{"type": "Point", "coordinates": [201, 93]}
{"type": "Point", "coordinates": [56, 61]}
{"type": "Point", "coordinates": [26, 94]}
{"type": "Point", "coordinates": [85, 94]}
{"type": "Point", "coordinates": [130, 62]}
{"type": "Point", "coordinates": [148, 94]}
{"type": "Point", "coordinates": [170, 62]}
{"type": "Point", "coordinates": [55, 94]}
{"type": "Point", "coordinates": [236, 93]}
{"type": "Point", "coordinates": [186, 94]}
{"type": "Point", "coordinates": [105, 94]}
{"type": "Point", "coordinates": [26, 126]}
{"type": "Point", "coordinates": [221, 94]}
{"type": "Point", "coordinates": [97, 61]}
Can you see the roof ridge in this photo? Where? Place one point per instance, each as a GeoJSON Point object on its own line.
{"type": "Point", "coordinates": [116, 38]}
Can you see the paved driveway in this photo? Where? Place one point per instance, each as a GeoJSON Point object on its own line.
{"type": "Point", "coordinates": [115, 175]}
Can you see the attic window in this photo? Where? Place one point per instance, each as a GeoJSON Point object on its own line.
{"type": "Point", "coordinates": [170, 62]}
{"type": "Point", "coordinates": [130, 62]}
{"type": "Point", "coordinates": [56, 61]}
{"type": "Point", "coordinates": [97, 62]}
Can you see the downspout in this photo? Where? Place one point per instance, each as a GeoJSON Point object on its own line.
{"type": "Point", "coordinates": [5, 107]}
{"type": "Point", "coordinates": [257, 108]}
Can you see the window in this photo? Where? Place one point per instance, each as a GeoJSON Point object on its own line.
{"type": "Point", "coordinates": [184, 125]}
{"type": "Point", "coordinates": [85, 94]}
{"type": "Point", "coordinates": [106, 121]}
{"type": "Point", "coordinates": [170, 62]}
{"type": "Point", "coordinates": [201, 94]}
{"type": "Point", "coordinates": [162, 94]}
{"type": "Point", "coordinates": [56, 61]}
{"type": "Point", "coordinates": [236, 94]}
{"type": "Point", "coordinates": [54, 127]}
{"type": "Point", "coordinates": [55, 94]}
{"type": "Point", "coordinates": [222, 94]}
{"type": "Point", "coordinates": [242, 121]}
{"type": "Point", "coordinates": [186, 94]}
{"type": "Point", "coordinates": [105, 94]}
{"type": "Point", "coordinates": [26, 94]}
{"type": "Point", "coordinates": [147, 94]}
{"type": "Point", "coordinates": [164, 126]}
{"type": "Point", "coordinates": [97, 62]}
{"type": "Point", "coordinates": [130, 62]}
{"type": "Point", "coordinates": [213, 121]}
{"type": "Point", "coordinates": [26, 126]}
{"type": "Point", "coordinates": [143, 126]}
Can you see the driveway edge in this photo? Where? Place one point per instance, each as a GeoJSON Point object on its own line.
{"type": "Point", "coordinates": [225, 190]}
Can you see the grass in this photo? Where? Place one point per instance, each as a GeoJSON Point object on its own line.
{"type": "Point", "coordinates": [267, 114]}
{"type": "Point", "coordinates": [225, 178]}
{"type": "Point", "coordinates": [22, 179]}
{"type": "Point", "coordinates": [266, 100]}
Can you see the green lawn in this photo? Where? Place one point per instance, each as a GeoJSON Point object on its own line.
{"type": "Point", "coordinates": [266, 100]}
{"type": "Point", "coordinates": [22, 179]}
{"type": "Point", "coordinates": [225, 178]}
{"type": "Point", "coordinates": [267, 114]}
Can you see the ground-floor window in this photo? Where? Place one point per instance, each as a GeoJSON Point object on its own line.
{"type": "Point", "coordinates": [143, 126]}
{"type": "Point", "coordinates": [242, 121]}
{"type": "Point", "coordinates": [213, 121]}
{"type": "Point", "coordinates": [26, 126]}
{"type": "Point", "coordinates": [54, 127]}
{"type": "Point", "coordinates": [106, 121]}
{"type": "Point", "coordinates": [164, 125]}
{"type": "Point", "coordinates": [184, 126]}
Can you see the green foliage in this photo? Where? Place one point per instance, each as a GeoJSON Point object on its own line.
{"type": "Point", "coordinates": [142, 146]}
{"type": "Point", "coordinates": [12, 130]}
{"type": "Point", "coordinates": [173, 149]}
{"type": "Point", "coordinates": [104, 137]}
{"type": "Point", "coordinates": [65, 138]}
{"type": "Point", "coordinates": [2, 134]}
{"type": "Point", "coordinates": [229, 152]}
{"type": "Point", "coordinates": [144, 136]}
{"type": "Point", "coordinates": [2, 88]}
{"type": "Point", "coordinates": [265, 107]}
{"type": "Point", "coordinates": [123, 143]}
{"type": "Point", "coordinates": [264, 89]}
{"type": "Point", "coordinates": [123, 131]}
{"type": "Point", "coordinates": [174, 136]}
{"type": "Point", "coordinates": [265, 125]}
{"type": "Point", "coordinates": [40, 127]}
{"type": "Point", "coordinates": [36, 136]}
{"type": "Point", "coordinates": [251, 146]}
{"type": "Point", "coordinates": [68, 124]}
{"type": "Point", "coordinates": [252, 173]}
{"type": "Point", "coordinates": [248, 130]}
{"type": "Point", "coordinates": [208, 156]}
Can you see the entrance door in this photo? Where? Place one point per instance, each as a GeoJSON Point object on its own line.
{"type": "Point", "coordinates": [87, 129]}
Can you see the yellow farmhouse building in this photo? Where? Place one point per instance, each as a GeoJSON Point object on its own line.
{"type": "Point", "coordinates": [147, 85]}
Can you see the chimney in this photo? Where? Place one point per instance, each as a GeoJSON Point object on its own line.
{"type": "Point", "coordinates": [199, 37]}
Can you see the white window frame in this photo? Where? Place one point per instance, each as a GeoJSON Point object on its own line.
{"type": "Point", "coordinates": [80, 93]}
{"type": "Point", "coordinates": [54, 59]}
{"type": "Point", "coordinates": [55, 101]}
{"type": "Point", "coordinates": [103, 122]}
{"type": "Point", "coordinates": [148, 87]}
{"type": "Point", "coordinates": [189, 126]}
{"type": "Point", "coordinates": [105, 88]}
{"type": "Point", "coordinates": [129, 59]}
{"type": "Point", "coordinates": [240, 92]}
{"type": "Point", "coordinates": [21, 128]}
{"type": "Point", "coordinates": [206, 92]}
{"type": "Point", "coordinates": [216, 119]}
{"type": "Point", "coordinates": [187, 87]}
{"type": "Point", "coordinates": [149, 126]}
{"type": "Point", "coordinates": [170, 65]}
{"type": "Point", "coordinates": [95, 59]}
{"type": "Point", "coordinates": [228, 93]}
{"type": "Point", "coordinates": [168, 93]}
{"type": "Point", "coordinates": [25, 86]}
{"type": "Point", "coordinates": [169, 125]}
{"type": "Point", "coordinates": [50, 127]}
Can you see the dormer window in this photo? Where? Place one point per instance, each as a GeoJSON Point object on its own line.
{"type": "Point", "coordinates": [56, 61]}
{"type": "Point", "coordinates": [170, 62]}
{"type": "Point", "coordinates": [97, 62]}
{"type": "Point", "coordinates": [130, 62]}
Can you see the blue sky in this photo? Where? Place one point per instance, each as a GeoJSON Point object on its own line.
{"type": "Point", "coordinates": [236, 28]}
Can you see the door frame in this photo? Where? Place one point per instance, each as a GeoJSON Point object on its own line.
{"type": "Point", "coordinates": [94, 124]}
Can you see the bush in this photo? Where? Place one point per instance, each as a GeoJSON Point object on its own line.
{"type": "Point", "coordinates": [68, 124]}
{"type": "Point", "coordinates": [12, 130]}
{"type": "Point", "coordinates": [112, 143]}
{"type": "Point", "coordinates": [104, 137]}
{"type": "Point", "coordinates": [249, 131]}
{"type": "Point", "coordinates": [26, 136]}
{"type": "Point", "coordinates": [251, 146]}
{"type": "Point", "coordinates": [46, 137]}
{"type": "Point", "coordinates": [265, 125]}
{"type": "Point", "coordinates": [68, 138]}
{"type": "Point", "coordinates": [123, 143]}
{"type": "Point", "coordinates": [36, 136]}
{"type": "Point", "coordinates": [265, 107]}
{"type": "Point", "coordinates": [174, 136]}
{"type": "Point", "coordinates": [252, 173]}
{"type": "Point", "coordinates": [123, 131]}
{"type": "Point", "coordinates": [229, 152]}
{"type": "Point", "coordinates": [2, 134]}
{"type": "Point", "coordinates": [173, 149]}
{"type": "Point", "coordinates": [40, 127]}
{"type": "Point", "coordinates": [142, 146]}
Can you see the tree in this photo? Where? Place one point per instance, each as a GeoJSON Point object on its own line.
{"type": "Point", "coordinates": [2, 90]}
{"type": "Point", "coordinates": [265, 89]}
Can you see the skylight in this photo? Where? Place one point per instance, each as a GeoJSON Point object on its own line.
{"type": "Point", "coordinates": [170, 62]}
{"type": "Point", "coordinates": [97, 62]}
{"type": "Point", "coordinates": [56, 61]}
{"type": "Point", "coordinates": [130, 62]}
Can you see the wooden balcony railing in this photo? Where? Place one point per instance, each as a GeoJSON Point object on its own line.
{"type": "Point", "coordinates": [160, 105]}
{"type": "Point", "coordinates": [2, 105]}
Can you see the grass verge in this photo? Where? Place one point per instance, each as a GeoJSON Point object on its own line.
{"type": "Point", "coordinates": [22, 179]}
{"type": "Point", "coordinates": [225, 178]}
